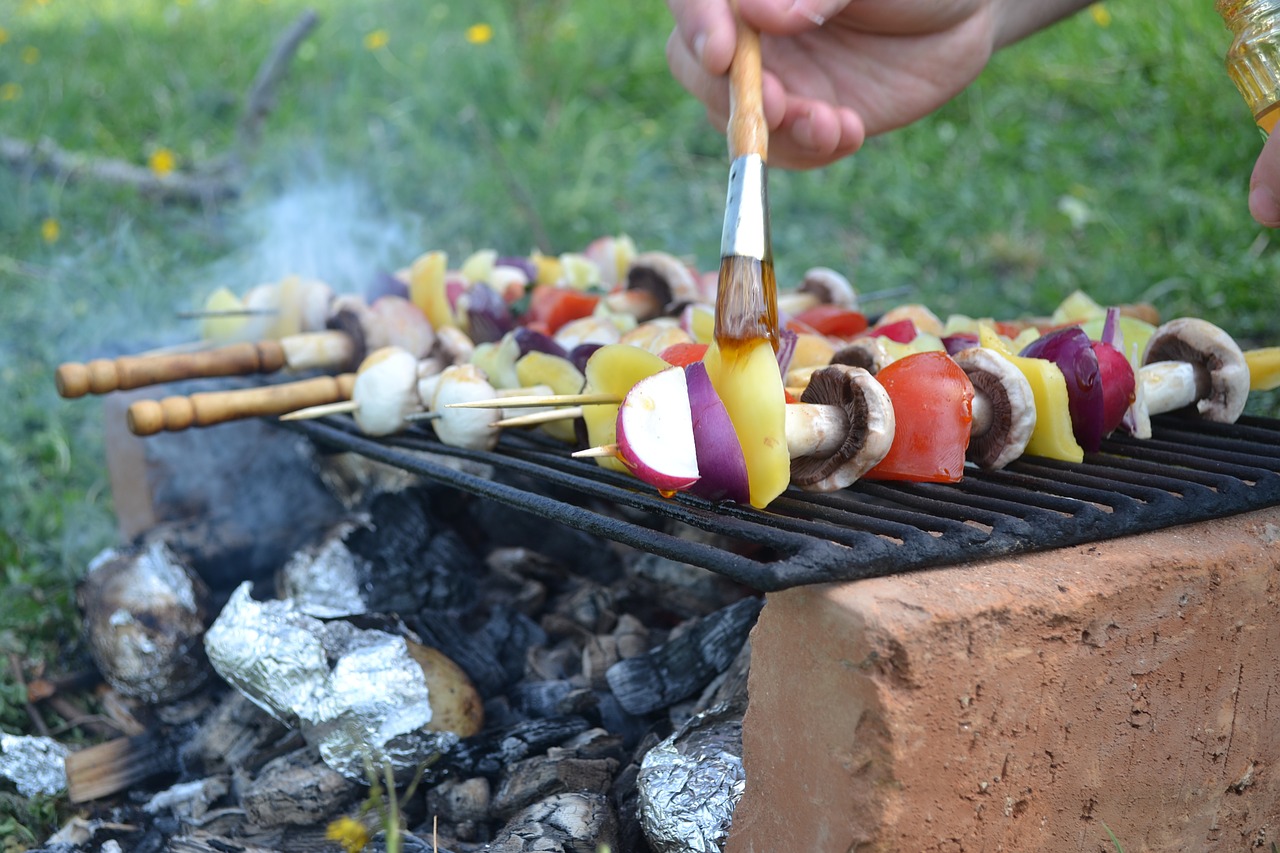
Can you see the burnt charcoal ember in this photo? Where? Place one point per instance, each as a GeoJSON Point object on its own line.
{"type": "Point", "coordinates": [492, 654]}
{"type": "Point", "coordinates": [417, 560]}
{"type": "Point", "coordinates": [582, 553]}
{"type": "Point", "coordinates": [296, 789]}
{"type": "Point", "coordinates": [488, 752]}
{"type": "Point", "coordinates": [144, 612]}
{"type": "Point", "coordinates": [533, 779]}
{"type": "Point", "coordinates": [237, 735]}
{"type": "Point", "coordinates": [563, 823]}
{"type": "Point", "coordinates": [686, 663]}
{"type": "Point", "coordinates": [681, 588]}
{"type": "Point", "coordinates": [461, 803]}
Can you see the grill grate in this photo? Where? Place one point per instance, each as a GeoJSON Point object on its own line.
{"type": "Point", "coordinates": [1188, 471]}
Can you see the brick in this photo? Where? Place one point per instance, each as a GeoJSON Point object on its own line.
{"type": "Point", "coordinates": [1021, 704]}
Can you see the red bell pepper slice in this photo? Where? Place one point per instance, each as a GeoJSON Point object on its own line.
{"type": "Point", "coordinates": [902, 331]}
{"type": "Point", "coordinates": [933, 406]}
{"type": "Point", "coordinates": [682, 355]}
{"type": "Point", "coordinates": [834, 321]}
{"type": "Point", "coordinates": [554, 306]}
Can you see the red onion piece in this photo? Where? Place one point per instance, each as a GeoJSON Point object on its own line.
{"type": "Point", "coordinates": [902, 331]}
{"type": "Point", "coordinates": [1118, 384]}
{"type": "Point", "coordinates": [529, 340]}
{"type": "Point", "coordinates": [581, 354]}
{"type": "Point", "coordinates": [488, 317]}
{"type": "Point", "coordinates": [787, 340]}
{"type": "Point", "coordinates": [1072, 351]}
{"type": "Point", "coordinates": [655, 432]}
{"type": "Point", "coordinates": [721, 463]}
{"type": "Point", "coordinates": [523, 264]}
{"type": "Point", "coordinates": [960, 340]}
{"type": "Point", "coordinates": [385, 284]}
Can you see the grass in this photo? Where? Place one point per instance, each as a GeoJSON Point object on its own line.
{"type": "Point", "coordinates": [1109, 158]}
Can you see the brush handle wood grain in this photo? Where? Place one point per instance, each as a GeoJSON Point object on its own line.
{"type": "Point", "coordinates": [174, 414]}
{"type": "Point", "coordinates": [748, 131]}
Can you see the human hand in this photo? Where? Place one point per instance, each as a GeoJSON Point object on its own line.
{"type": "Point", "coordinates": [837, 71]}
{"type": "Point", "coordinates": [1264, 186]}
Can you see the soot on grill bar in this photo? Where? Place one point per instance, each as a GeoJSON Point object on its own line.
{"type": "Point", "coordinates": [472, 676]}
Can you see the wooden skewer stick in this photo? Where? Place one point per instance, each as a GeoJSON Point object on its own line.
{"type": "Point", "coordinates": [310, 350]}
{"type": "Point", "coordinates": [595, 452]}
{"type": "Point", "coordinates": [339, 407]}
{"type": "Point", "coordinates": [540, 400]}
{"type": "Point", "coordinates": [538, 418]}
{"type": "Point", "coordinates": [173, 414]}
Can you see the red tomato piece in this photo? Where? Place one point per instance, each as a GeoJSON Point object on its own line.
{"type": "Point", "coordinates": [556, 306]}
{"type": "Point", "coordinates": [833, 320]}
{"type": "Point", "coordinates": [933, 405]}
{"type": "Point", "coordinates": [902, 331]}
{"type": "Point", "coordinates": [682, 355]}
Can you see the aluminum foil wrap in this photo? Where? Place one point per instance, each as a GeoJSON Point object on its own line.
{"type": "Point", "coordinates": [691, 782]}
{"type": "Point", "coordinates": [327, 581]}
{"type": "Point", "coordinates": [37, 765]}
{"type": "Point", "coordinates": [358, 695]}
{"type": "Point", "coordinates": [144, 612]}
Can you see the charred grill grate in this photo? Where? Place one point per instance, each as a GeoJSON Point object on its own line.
{"type": "Point", "coordinates": [1188, 471]}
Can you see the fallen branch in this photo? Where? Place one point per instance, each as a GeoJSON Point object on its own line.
{"type": "Point", "coordinates": [216, 181]}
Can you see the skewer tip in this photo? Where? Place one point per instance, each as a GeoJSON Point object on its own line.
{"type": "Point", "coordinates": [596, 452]}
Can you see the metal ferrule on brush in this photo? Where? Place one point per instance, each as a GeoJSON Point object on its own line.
{"type": "Point", "coordinates": [746, 213]}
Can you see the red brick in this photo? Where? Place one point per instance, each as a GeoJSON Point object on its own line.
{"type": "Point", "coordinates": [1020, 704]}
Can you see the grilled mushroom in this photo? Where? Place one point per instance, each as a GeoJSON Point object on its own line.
{"type": "Point", "coordinates": [656, 282]}
{"type": "Point", "coordinates": [471, 428]}
{"type": "Point", "coordinates": [820, 286]}
{"type": "Point", "coordinates": [841, 428]}
{"type": "Point", "coordinates": [1190, 361]}
{"type": "Point", "coordinates": [1004, 408]}
{"type": "Point", "coordinates": [867, 352]}
{"type": "Point", "coordinates": [385, 391]}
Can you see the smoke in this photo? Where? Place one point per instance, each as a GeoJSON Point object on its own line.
{"type": "Point", "coordinates": [331, 230]}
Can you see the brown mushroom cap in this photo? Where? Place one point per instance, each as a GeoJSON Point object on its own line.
{"type": "Point", "coordinates": [1004, 395]}
{"type": "Point", "coordinates": [665, 276]}
{"type": "Point", "coordinates": [829, 287]}
{"type": "Point", "coordinates": [869, 353]}
{"type": "Point", "coordinates": [1222, 374]}
{"type": "Point", "coordinates": [870, 434]}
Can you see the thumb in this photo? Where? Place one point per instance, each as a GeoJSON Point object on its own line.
{"type": "Point", "coordinates": [1264, 186]}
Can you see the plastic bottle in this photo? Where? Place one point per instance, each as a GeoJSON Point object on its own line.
{"type": "Point", "coordinates": [1253, 60]}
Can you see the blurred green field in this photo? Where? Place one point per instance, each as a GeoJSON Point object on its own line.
{"type": "Point", "coordinates": [1110, 153]}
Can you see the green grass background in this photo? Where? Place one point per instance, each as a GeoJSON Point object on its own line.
{"type": "Point", "coordinates": [1109, 158]}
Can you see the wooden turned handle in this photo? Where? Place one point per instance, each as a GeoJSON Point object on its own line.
{"type": "Point", "coordinates": [104, 375]}
{"type": "Point", "coordinates": [748, 132]}
{"type": "Point", "coordinates": [174, 414]}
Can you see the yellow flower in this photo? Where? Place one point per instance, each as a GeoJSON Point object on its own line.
{"type": "Point", "coordinates": [348, 832]}
{"type": "Point", "coordinates": [50, 230]}
{"type": "Point", "coordinates": [10, 92]}
{"type": "Point", "coordinates": [376, 39]}
{"type": "Point", "coordinates": [1101, 15]}
{"type": "Point", "coordinates": [161, 161]}
{"type": "Point", "coordinates": [479, 33]}
{"type": "Point", "coordinates": [31, 55]}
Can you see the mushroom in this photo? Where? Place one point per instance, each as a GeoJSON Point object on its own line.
{"type": "Point", "coordinates": [1004, 408]}
{"type": "Point", "coordinates": [841, 428]}
{"type": "Point", "coordinates": [820, 286]}
{"type": "Point", "coordinates": [385, 391]}
{"type": "Point", "coordinates": [869, 353]}
{"type": "Point", "coordinates": [656, 282]}
{"type": "Point", "coordinates": [1190, 361]}
{"type": "Point", "coordinates": [464, 427]}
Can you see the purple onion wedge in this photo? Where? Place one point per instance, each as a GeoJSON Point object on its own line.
{"type": "Point", "coordinates": [1072, 351]}
{"type": "Point", "coordinates": [720, 459]}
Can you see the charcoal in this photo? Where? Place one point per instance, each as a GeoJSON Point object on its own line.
{"type": "Point", "coordinates": [631, 636]}
{"type": "Point", "coordinates": [563, 823]}
{"type": "Point", "coordinates": [593, 743]}
{"type": "Point", "coordinates": [681, 588]}
{"type": "Point", "coordinates": [233, 737]}
{"type": "Point", "coordinates": [525, 782]}
{"type": "Point", "coordinates": [686, 663]}
{"type": "Point", "coordinates": [582, 553]}
{"type": "Point", "coordinates": [460, 800]}
{"type": "Point", "coordinates": [599, 653]}
{"type": "Point", "coordinates": [541, 698]}
{"type": "Point", "coordinates": [492, 655]}
{"type": "Point", "coordinates": [296, 789]}
{"type": "Point", "coordinates": [417, 562]}
{"type": "Point", "coordinates": [493, 749]}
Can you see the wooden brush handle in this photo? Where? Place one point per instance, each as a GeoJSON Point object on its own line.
{"type": "Point", "coordinates": [174, 414]}
{"type": "Point", "coordinates": [748, 132]}
{"type": "Point", "coordinates": [103, 375]}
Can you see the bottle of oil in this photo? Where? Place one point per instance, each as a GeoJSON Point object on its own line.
{"type": "Point", "coordinates": [1253, 60]}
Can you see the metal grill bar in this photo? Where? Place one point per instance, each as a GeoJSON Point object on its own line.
{"type": "Point", "coordinates": [1188, 471]}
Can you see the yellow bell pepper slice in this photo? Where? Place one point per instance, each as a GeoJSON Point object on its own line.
{"type": "Point", "coordinates": [749, 383]}
{"type": "Point", "coordinates": [1052, 436]}
{"type": "Point", "coordinates": [614, 369]}
{"type": "Point", "coordinates": [427, 288]}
